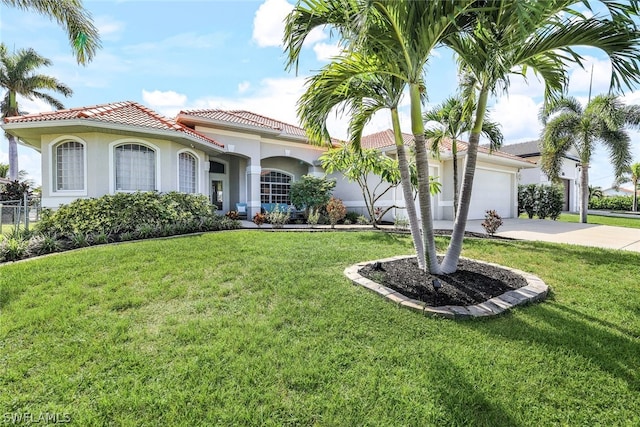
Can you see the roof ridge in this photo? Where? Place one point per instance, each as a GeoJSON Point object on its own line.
{"type": "Point", "coordinates": [271, 118]}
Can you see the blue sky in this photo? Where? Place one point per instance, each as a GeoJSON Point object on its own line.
{"type": "Point", "coordinates": [173, 55]}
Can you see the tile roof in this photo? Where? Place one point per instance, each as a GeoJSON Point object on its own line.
{"type": "Point", "coordinates": [247, 118]}
{"type": "Point", "coordinates": [383, 139]}
{"type": "Point", "coordinates": [123, 113]}
{"type": "Point", "coordinates": [386, 139]}
{"type": "Point", "coordinates": [522, 148]}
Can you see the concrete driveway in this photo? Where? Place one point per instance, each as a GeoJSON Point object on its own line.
{"type": "Point", "coordinates": [603, 236]}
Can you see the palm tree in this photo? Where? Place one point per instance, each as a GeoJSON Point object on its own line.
{"type": "Point", "coordinates": [400, 36]}
{"type": "Point", "coordinates": [522, 36]}
{"type": "Point", "coordinates": [603, 120]}
{"type": "Point", "coordinates": [595, 192]}
{"type": "Point", "coordinates": [4, 171]}
{"type": "Point", "coordinates": [353, 83]}
{"type": "Point", "coordinates": [18, 78]}
{"type": "Point", "coordinates": [490, 41]}
{"type": "Point", "coordinates": [632, 175]}
{"type": "Point", "coordinates": [70, 14]}
{"type": "Point", "coordinates": [452, 122]}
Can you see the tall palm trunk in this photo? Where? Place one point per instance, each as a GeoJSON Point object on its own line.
{"type": "Point", "coordinates": [456, 192]}
{"type": "Point", "coordinates": [424, 193]}
{"type": "Point", "coordinates": [584, 192]}
{"type": "Point", "coordinates": [407, 191]}
{"type": "Point", "coordinates": [450, 262]}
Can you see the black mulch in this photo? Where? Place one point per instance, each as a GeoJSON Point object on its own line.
{"type": "Point", "coordinates": [472, 283]}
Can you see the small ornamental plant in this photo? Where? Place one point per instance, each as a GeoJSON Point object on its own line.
{"type": "Point", "coordinates": [336, 211]}
{"type": "Point", "coordinates": [259, 219]}
{"type": "Point", "coordinates": [492, 221]}
{"type": "Point", "coordinates": [232, 215]}
{"type": "Point", "coordinates": [314, 217]}
{"type": "Point", "coordinates": [279, 216]}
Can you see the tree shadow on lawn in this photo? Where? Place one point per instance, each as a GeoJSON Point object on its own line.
{"type": "Point", "coordinates": [555, 325]}
{"type": "Point", "coordinates": [460, 398]}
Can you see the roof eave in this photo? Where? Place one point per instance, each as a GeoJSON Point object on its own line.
{"type": "Point", "coordinates": [92, 125]}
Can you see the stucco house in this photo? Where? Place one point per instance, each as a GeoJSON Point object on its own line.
{"type": "Point", "coordinates": [569, 173]}
{"type": "Point", "coordinates": [230, 156]}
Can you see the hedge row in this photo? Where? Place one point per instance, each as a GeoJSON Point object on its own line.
{"type": "Point", "coordinates": [612, 203]}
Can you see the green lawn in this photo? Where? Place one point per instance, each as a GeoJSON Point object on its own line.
{"type": "Point", "coordinates": [603, 220]}
{"type": "Point", "coordinates": [260, 328]}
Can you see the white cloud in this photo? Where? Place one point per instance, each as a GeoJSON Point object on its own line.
{"type": "Point", "coordinates": [188, 40]}
{"type": "Point", "coordinates": [324, 51]}
{"type": "Point", "coordinates": [168, 103]}
{"type": "Point", "coordinates": [268, 23]}
{"type": "Point", "coordinates": [316, 35]}
{"type": "Point", "coordinates": [580, 78]}
{"type": "Point", "coordinates": [109, 28]}
{"type": "Point", "coordinates": [518, 116]}
{"type": "Point", "coordinates": [243, 86]}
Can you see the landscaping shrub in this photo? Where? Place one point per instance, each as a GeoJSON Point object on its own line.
{"type": "Point", "coordinates": [279, 216]}
{"type": "Point", "coordinates": [612, 203]}
{"type": "Point", "coordinates": [313, 217]}
{"type": "Point", "coordinates": [336, 211]}
{"type": "Point", "coordinates": [544, 201]}
{"type": "Point", "coordinates": [492, 221]}
{"type": "Point", "coordinates": [527, 200]}
{"type": "Point", "coordinates": [259, 219]}
{"type": "Point", "coordinates": [352, 217]}
{"type": "Point", "coordinates": [311, 192]}
{"type": "Point", "coordinates": [141, 214]}
{"type": "Point", "coordinates": [13, 248]}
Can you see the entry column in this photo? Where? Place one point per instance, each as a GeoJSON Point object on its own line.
{"type": "Point", "coordinates": [253, 189]}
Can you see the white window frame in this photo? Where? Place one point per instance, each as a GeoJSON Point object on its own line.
{"type": "Point", "coordinates": [53, 164]}
{"type": "Point", "coordinates": [197, 167]}
{"type": "Point", "coordinates": [268, 170]}
{"type": "Point", "coordinates": [112, 164]}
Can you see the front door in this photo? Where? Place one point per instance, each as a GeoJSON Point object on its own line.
{"type": "Point", "coordinates": [217, 194]}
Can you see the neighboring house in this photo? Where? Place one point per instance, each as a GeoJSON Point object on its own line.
{"type": "Point", "coordinates": [230, 156]}
{"type": "Point", "coordinates": [621, 191]}
{"type": "Point", "coordinates": [569, 175]}
{"type": "Point", "coordinates": [495, 185]}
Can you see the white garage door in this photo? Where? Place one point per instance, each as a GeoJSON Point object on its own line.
{"type": "Point", "coordinates": [492, 190]}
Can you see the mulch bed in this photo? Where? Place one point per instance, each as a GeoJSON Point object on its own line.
{"type": "Point", "coordinates": [472, 283]}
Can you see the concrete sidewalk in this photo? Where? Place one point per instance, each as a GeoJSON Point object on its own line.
{"type": "Point", "coordinates": [603, 236]}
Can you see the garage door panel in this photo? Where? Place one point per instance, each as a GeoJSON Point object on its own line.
{"type": "Point", "coordinates": [492, 190]}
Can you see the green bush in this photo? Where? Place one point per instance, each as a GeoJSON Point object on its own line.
{"type": "Point", "coordinates": [612, 203]}
{"type": "Point", "coordinates": [311, 192]}
{"type": "Point", "coordinates": [545, 201]}
{"type": "Point", "coordinates": [527, 200]}
{"type": "Point", "coordinates": [141, 214]}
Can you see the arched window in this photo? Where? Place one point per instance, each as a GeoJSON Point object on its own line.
{"type": "Point", "coordinates": [135, 168]}
{"type": "Point", "coordinates": [274, 187]}
{"type": "Point", "coordinates": [187, 172]}
{"type": "Point", "coordinates": [69, 166]}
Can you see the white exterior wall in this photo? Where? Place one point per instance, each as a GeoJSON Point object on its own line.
{"type": "Point", "coordinates": [100, 169]}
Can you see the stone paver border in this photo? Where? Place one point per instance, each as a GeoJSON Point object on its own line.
{"type": "Point", "coordinates": [535, 290]}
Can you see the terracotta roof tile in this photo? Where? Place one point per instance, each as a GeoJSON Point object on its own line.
{"type": "Point", "coordinates": [386, 139]}
{"type": "Point", "coordinates": [124, 113]}
{"type": "Point", "coordinates": [247, 118]}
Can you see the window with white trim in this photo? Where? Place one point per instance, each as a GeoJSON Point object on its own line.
{"type": "Point", "coordinates": [69, 166]}
{"type": "Point", "coordinates": [187, 172]}
{"type": "Point", "coordinates": [275, 187]}
{"type": "Point", "coordinates": [135, 168]}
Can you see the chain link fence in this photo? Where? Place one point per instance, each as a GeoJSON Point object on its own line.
{"type": "Point", "coordinates": [18, 214]}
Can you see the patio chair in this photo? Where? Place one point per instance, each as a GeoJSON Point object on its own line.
{"type": "Point", "coordinates": [241, 208]}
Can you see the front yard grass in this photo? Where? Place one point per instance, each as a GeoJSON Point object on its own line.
{"type": "Point", "coordinates": [261, 328]}
{"type": "Point", "coordinates": [602, 220]}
